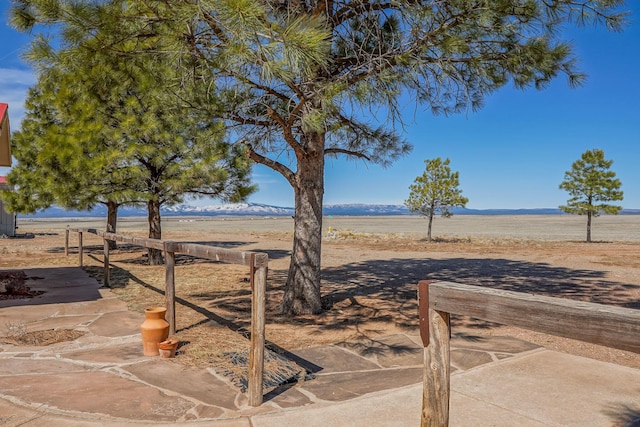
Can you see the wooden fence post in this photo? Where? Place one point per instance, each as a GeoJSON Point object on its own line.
{"type": "Point", "coordinates": [80, 247]}
{"type": "Point", "coordinates": [66, 241]}
{"type": "Point", "coordinates": [106, 263]}
{"type": "Point", "coordinates": [256, 355]}
{"type": "Point", "coordinates": [436, 372]}
{"type": "Point", "coordinates": [170, 289]}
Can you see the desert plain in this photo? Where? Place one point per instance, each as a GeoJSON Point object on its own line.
{"type": "Point", "coordinates": [370, 270]}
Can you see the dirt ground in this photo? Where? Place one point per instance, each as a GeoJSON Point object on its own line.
{"type": "Point", "coordinates": [371, 267]}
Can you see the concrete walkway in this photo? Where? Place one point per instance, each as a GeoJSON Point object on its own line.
{"type": "Point", "coordinates": [102, 378]}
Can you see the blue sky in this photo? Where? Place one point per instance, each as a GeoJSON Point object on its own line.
{"type": "Point", "coordinates": [511, 154]}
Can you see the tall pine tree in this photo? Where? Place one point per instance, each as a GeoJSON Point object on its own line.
{"type": "Point", "coordinates": [129, 92]}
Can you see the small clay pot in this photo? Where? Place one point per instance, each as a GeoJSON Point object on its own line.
{"type": "Point", "coordinates": [167, 348]}
{"type": "Point", "coordinates": [154, 329]}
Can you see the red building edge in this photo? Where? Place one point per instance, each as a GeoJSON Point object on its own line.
{"type": "Point", "coordinates": [5, 146]}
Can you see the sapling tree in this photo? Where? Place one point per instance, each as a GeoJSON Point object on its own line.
{"type": "Point", "coordinates": [592, 186]}
{"type": "Point", "coordinates": [436, 192]}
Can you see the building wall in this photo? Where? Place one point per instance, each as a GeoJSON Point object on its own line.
{"type": "Point", "coordinates": [7, 221]}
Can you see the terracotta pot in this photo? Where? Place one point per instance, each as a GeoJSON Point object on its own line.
{"type": "Point", "coordinates": [167, 348]}
{"type": "Point", "coordinates": [155, 329]}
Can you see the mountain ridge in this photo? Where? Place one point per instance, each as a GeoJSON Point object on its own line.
{"type": "Point", "coordinates": [257, 209]}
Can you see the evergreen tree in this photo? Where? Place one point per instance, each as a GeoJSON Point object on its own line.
{"type": "Point", "coordinates": [435, 192]}
{"type": "Point", "coordinates": [61, 156]}
{"type": "Point", "coordinates": [591, 186]}
{"type": "Point", "coordinates": [129, 94]}
{"type": "Point", "coordinates": [322, 78]}
{"type": "Point", "coordinates": [303, 80]}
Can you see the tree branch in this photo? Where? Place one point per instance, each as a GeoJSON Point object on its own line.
{"type": "Point", "coordinates": [276, 166]}
{"type": "Point", "coordinates": [351, 153]}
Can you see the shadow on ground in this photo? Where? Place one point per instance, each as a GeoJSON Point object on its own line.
{"type": "Point", "coordinates": [385, 289]}
{"type": "Point", "coordinates": [397, 279]}
{"type": "Point", "coordinates": [624, 415]}
{"type": "Point", "coordinates": [281, 366]}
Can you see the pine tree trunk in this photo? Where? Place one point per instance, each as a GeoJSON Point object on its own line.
{"type": "Point", "coordinates": [112, 222]}
{"type": "Point", "coordinates": [302, 290]}
{"type": "Point", "coordinates": [589, 227]}
{"type": "Point", "coordinates": [429, 229]}
{"type": "Point", "coordinates": [155, 231]}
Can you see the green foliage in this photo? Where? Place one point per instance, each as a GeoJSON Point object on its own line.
{"type": "Point", "coordinates": [300, 81]}
{"type": "Point", "coordinates": [436, 191]}
{"type": "Point", "coordinates": [297, 81]}
{"type": "Point", "coordinates": [116, 128]}
{"type": "Point", "coordinates": [591, 185]}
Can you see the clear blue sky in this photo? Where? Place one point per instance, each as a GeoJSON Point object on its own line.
{"type": "Point", "coordinates": [511, 154]}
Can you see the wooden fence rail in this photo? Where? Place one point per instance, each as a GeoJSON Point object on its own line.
{"type": "Point", "coordinates": [610, 326]}
{"type": "Point", "coordinates": [256, 261]}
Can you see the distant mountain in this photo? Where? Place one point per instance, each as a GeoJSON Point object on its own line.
{"type": "Point", "coordinates": [255, 209]}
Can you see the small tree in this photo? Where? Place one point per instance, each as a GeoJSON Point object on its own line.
{"type": "Point", "coordinates": [435, 192]}
{"type": "Point", "coordinates": [591, 185]}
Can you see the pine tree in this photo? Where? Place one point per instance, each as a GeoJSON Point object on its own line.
{"type": "Point", "coordinates": [321, 78]}
{"type": "Point", "coordinates": [126, 92]}
{"type": "Point", "coordinates": [591, 186]}
{"type": "Point", "coordinates": [297, 81]}
{"type": "Point", "coordinates": [435, 192]}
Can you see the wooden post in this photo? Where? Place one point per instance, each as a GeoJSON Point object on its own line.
{"type": "Point", "coordinates": [170, 289]}
{"type": "Point", "coordinates": [106, 262]}
{"type": "Point", "coordinates": [436, 372]}
{"type": "Point", "coordinates": [80, 248]}
{"type": "Point", "coordinates": [66, 242]}
{"type": "Point", "coordinates": [256, 356]}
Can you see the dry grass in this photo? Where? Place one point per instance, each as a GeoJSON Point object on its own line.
{"type": "Point", "coordinates": [17, 334]}
{"type": "Point", "coordinates": [368, 283]}
{"type": "Point", "coordinates": [200, 286]}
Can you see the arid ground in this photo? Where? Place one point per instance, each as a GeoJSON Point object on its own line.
{"type": "Point", "coordinates": [371, 267]}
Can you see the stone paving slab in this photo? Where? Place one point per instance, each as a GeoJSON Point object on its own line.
{"type": "Point", "coordinates": [61, 322]}
{"type": "Point", "coordinates": [466, 359]}
{"type": "Point", "coordinates": [290, 397]}
{"type": "Point", "coordinates": [16, 315]}
{"type": "Point", "coordinates": [102, 378]}
{"type": "Point", "coordinates": [493, 344]}
{"type": "Point", "coordinates": [117, 324]}
{"type": "Point", "coordinates": [120, 354]}
{"type": "Point", "coordinates": [97, 393]}
{"type": "Point", "coordinates": [194, 383]}
{"type": "Point", "coordinates": [389, 351]}
{"type": "Point", "coordinates": [99, 306]}
{"type": "Point", "coordinates": [391, 408]}
{"type": "Point", "coordinates": [331, 359]}
{"type": "Point", "coordinates": [466, 411]}
{"type": "Point", "coordinates": [11, 369]}
{"type": "Point", "coordinates": [348, 385]}
{"type": "Point", "coordinates": [557, 389]}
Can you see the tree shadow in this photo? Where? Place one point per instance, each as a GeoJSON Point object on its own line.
{"type": "Point", "coordinates": [396, 279]}
{"type": "Point", "coordinates": [385, 290]}
{"type": "Point", "coordinates": [240, 326]}
{"type": "Point", "coordinates": [55, 285]}
{"type": "Point", "coordinates": [624, 415]}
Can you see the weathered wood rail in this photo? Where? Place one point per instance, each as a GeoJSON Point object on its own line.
{"type": "Point", "coordinates": [606, 325]}
{"type": "Point", "coordinates": [258, 266]}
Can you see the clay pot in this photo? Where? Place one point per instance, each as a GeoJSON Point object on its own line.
{"type": "Point", "coordinates": [155, 329]}
{"type": "Point", "coordinates": [167, 348]}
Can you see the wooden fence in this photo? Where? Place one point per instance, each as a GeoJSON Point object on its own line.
{"type": "Point", "coordinates": [606, 325]}
{"type": "Point", "coordinates": [256, 261]}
